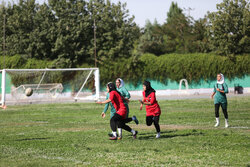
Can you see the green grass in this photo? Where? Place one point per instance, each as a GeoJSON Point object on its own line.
{"type": "Point", "coordinates": [76, 135]}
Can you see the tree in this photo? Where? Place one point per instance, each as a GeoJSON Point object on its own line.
{"type": "Point", "coordinates": [201, 43]}
{"type": "Point", "coordinates": [72, 32]}
{"type": "Point", "coordinates": [229, 28]}
{"type": "Point", "coordinates": [2, 27]}
{"type": "Point", "coordinates": [152, 40]}
{"type": "Point", "coordinates": [116, 32]}
{"type": "Point", "coordinates": [19, 26]}
{"type": "Point", "coordinates": [174, 11]}
{"type": "Point", "coordinates": [42, 37]}
{"type": "Point", "coordinates": [177, 31]}
{"type": "Point", "coordinates": [63, 31]}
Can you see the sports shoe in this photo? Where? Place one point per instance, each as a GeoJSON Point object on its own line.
{"type": "Point", "coordinates": [217, 122]}
{"type": "Point", "coordinates": [134, 135]}
{"type": "Point", "coordinates": [135, 119]}
{"type": "Point", "coordinates": [110, 134]}
{"type": "Point", "coordinates": [158, 135]}
{"type": "Point", "coordinates": [226, 123]}
{"type": "Point", "coordinates": [113, 138]}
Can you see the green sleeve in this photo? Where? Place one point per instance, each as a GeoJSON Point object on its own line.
{"type": "Point", "coordinates": [125, 93]}
{"type": "Point", "coordinates": [106, 105]}
{"type": "Point", "coordinates": [225, 88]}
{"type": "Point", "coordinates": [214, 89]}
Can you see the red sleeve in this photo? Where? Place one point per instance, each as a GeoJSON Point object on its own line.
{"type": "Point", "coordinates": [153, 99]}
{"type": "Point", "coordinates": [143, 95]}
{"type": "Point", "coordinates": [111, 95]}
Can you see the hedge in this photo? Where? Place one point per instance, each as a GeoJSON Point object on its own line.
{"type": "Point", "coordinates": [192, 67]}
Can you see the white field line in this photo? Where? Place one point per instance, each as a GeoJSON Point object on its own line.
{"type": "Point", "coordinates": [239, 127]}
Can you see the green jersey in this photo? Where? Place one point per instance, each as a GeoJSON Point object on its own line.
{"type": "Point", "coordinates": [113, 111]}
{"type": "Point", "coordinates": [124, 92]}
{"type": "Point", "coordinates": [220, 97]}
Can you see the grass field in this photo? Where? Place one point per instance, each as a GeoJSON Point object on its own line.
{"type": "Point", "coordinates": [76, 135]}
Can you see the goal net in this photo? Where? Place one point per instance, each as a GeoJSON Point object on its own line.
{"type": "Point", "coordinates": [49, 85]}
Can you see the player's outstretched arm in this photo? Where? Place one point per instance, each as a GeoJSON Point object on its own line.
{"type": "Point", "coordinates": [104, 102]}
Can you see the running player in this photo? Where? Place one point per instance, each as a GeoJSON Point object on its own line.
{"type": "Point", "coordinates": [119, 118]}
{"type": "Point", "coordinates": [112, 113]}
{"type": "Point", "coordinates": [153, 110]}
{"type": "Point", "coordinates": [126, 95]}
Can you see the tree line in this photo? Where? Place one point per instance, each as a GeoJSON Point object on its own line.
{"type": "Point", "coordinates": [63, 30]}
{"type": "Point", "coordinates": [225, 32]}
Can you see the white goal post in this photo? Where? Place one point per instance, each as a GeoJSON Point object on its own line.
{"type": "Point", "coordinates": [49, 85]}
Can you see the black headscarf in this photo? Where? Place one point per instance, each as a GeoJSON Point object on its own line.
{"type": "Point", "coordinates": [111, 86]}
{"type": "Point", "coordinates": [149, 89]}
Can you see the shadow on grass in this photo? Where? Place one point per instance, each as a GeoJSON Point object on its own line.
{"type": "Point", "coordinates": [168, 134]}
{"type": "Point", "coordinates": [27, 139]}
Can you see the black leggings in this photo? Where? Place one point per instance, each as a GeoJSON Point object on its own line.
{"type": "Point", "coordinates": [224, 109]}
{"type": "Point", "coordinates": [155, 119]}
{"type": "Point", "coordinates": [117, 121]}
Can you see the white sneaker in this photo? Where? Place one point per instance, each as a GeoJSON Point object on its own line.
{"type": "Point", "coordinates": [158, 135]}
{"type": "Point", "coordinates": [226, 123]}
{"type": "Point", "coordinates": [217, 122]}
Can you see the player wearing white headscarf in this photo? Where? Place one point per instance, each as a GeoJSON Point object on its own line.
{"type": "Point", "coordinates": [220, 99]}
{"type": "Point", "coordinates": [126, 95]}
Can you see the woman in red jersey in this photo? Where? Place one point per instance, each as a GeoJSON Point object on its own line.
{"type": "Point", "coordinates": [119, 118]}
{"type": "Point", "coordinates": [153, 110]}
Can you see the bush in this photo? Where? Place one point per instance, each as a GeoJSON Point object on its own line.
{"type": "Point", "coordinates": [20, 62]}
{"type": "Point", "coordinates": [193, 67]}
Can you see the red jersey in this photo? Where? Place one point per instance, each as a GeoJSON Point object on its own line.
{"type": "Point", "coordinates": [153, 109]}
{"type": "Point", "coordinates": [117, 102]}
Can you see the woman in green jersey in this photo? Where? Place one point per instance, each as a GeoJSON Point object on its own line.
{"type": "Point", "coordinates": [220, 99]}
{"type": "Point", "coordinates": [124, 92]}
{"type": "Point", "coordinates": [126, 95]}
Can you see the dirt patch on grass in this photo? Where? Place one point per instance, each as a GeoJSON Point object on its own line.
{"type": "Point", "coordinates": [183, 127]}
{"type": "Point", "coordinates": [72, 129]}
{"type": "Point", "coordinates": [166, 127]}
{"type": "Point", "coordinates": [75, 129]}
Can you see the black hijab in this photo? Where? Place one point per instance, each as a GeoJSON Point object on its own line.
{"type": "Point", "coordinates": [111, 86]}
{"type": "Point", "coordinates": [149, 89]}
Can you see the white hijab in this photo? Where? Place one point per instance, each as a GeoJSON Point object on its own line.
{"type": "Point", "coordinates": [122, 82]}
{"type": "Point", "coordinates": [221, 81]}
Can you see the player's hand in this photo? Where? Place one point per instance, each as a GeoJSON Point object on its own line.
{"type": "Point", "coordinates": [127, 100]}
{"type": "Point", "coordinates": [218, 89]}
{"type": "Point", "coordinates": [212, 97]}
{"type": "Point", "coordinates": [98, 102]}
{"type": "Point", "coordinates": [103, 115]}
{"type": "Point", "coordinates": [141, 107]}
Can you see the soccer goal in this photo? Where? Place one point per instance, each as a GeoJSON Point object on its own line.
{"type": "Point", "coordinates": [49, 85]}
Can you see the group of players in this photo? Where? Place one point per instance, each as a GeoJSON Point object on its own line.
{"type": "Point", "coordinates": [118, 98]}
